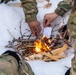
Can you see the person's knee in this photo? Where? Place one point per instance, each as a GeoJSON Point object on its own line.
{"type": "Point", "coordinates": [6, 67]}
{"type": "Point", "coordinates": [8, 63]}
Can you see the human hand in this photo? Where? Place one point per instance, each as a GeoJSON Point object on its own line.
{"type": "Point", "coordinates": [35, 27]}
{"type": "Point", "coordinates": [48, 18]}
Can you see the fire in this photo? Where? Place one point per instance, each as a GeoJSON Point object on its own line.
{"type": "Point", "coordinates": [41, 45]}
{"type": "Point", "coordinates": [38, 46]}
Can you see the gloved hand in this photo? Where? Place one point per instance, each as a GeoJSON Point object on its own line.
{"type": "Point", "coordinates": [35, 27]}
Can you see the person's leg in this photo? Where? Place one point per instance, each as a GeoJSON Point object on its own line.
{"type": "Point", "coordinates": [8, 65]}
{"type": "Point", "coordinates": [72, 71]}
{"type": "Point", "coordinates": [25, 68]}
{"type": "Point", "coordinates": [73, 68]}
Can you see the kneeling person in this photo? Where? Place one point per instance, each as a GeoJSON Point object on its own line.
{"type": "Point", "coordinates": [10, 64]}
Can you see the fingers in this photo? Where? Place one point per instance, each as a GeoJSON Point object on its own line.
{"type": "Point", "coordinates": [35, 27]}
{"type": "Point", "coordinates": [33, 32]}
{"type": "Point", "coordinates": [46, 21]}
{"type": "Point", "coordinates": [36, 31]}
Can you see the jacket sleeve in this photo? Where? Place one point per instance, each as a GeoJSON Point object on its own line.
{"type": "Point", "coordinates": [63, 7]}
{"type": "Point", "coordinates": [30, 9]}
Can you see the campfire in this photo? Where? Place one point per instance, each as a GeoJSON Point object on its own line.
{"type": "Point", "coordinates": [43, 48]}
{"type": "Point", "coordinates": [46, 49]}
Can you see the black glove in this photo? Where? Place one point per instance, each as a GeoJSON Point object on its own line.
{"type": "Point", "coordinates": [68, 72]}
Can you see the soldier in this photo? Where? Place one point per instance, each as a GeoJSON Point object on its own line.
{"type": "Point", "coordinates": [11, 64]}
{"type": "Point", "coordinates": [62, 8]}
{"type": "Point", "coordinates": [30, 10]}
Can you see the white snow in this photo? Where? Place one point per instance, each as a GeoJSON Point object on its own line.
{"type": "Point", "coordinates": [10, 18]}
{"type": "Point", "coordinates": [47, 31]}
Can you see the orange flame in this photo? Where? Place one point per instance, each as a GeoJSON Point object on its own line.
{"type": "Point", "coordinates": [41, 45]}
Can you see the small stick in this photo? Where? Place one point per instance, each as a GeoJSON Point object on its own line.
{"type": "Point", "coordinates": [10, 33]}
{"type": "Point", "coordinates": [29, 36]}
{"type": "Point", "coordinates": [50, 56]}
{"type": "Point", "coordinates": [20, 29]}
{"type": "Point", "coordinates": [16, 50]}
{"type": "Point", "coordinates": [16, 4]}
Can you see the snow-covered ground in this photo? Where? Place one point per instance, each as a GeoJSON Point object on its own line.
{"type": "Point", "coordinates": [10, 18]}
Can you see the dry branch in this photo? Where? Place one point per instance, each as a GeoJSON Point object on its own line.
{"type": "Point", "coordinates": [50, 56]}
{"type": "Point", "coordinates": [47, 5]}
{"type": "Point", "coordinates": [16, 4]}
{"type": "Point", "coordinates": [59, 50]}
